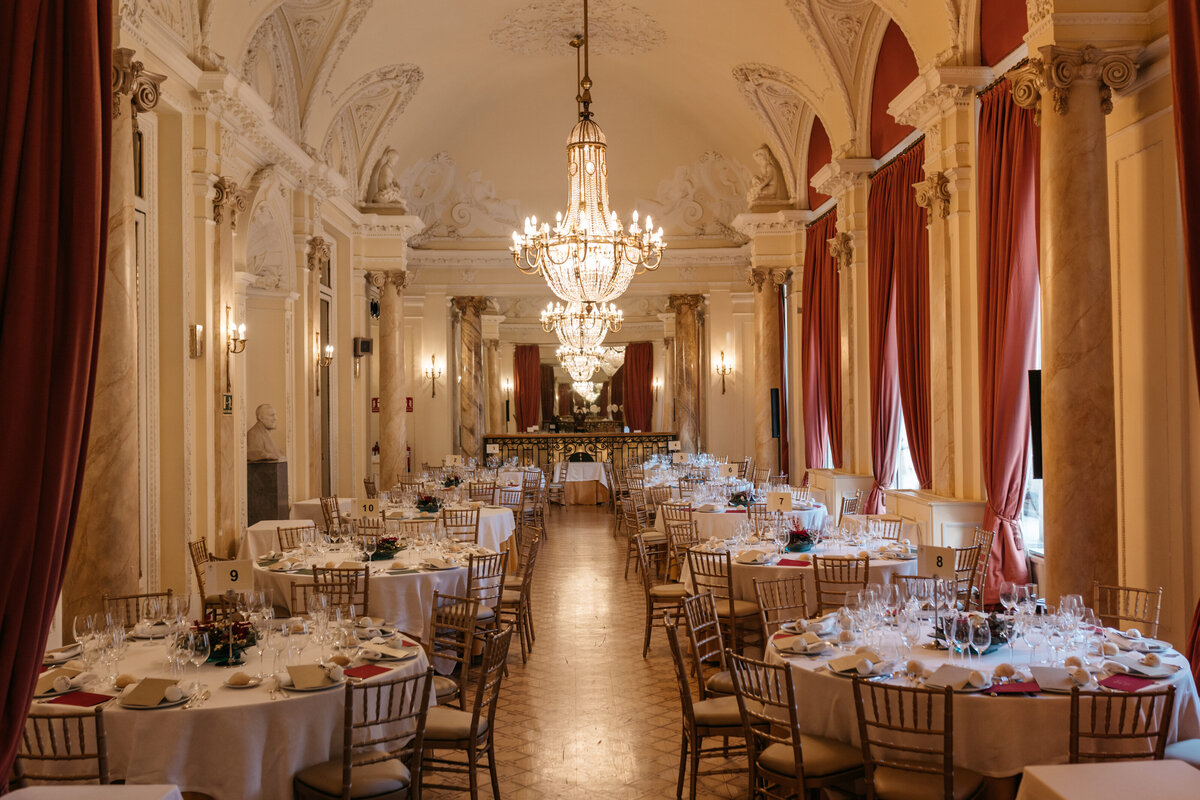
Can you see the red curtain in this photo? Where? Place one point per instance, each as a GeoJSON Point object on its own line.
{"type": "Point", "coordinates": [564, 399]}
{"type": "Point", "coordinates": [1009, 156]}
{"type": "Point", "coordinates": [784, 388]}
{"type": "Point", "coordinates": [527, 385]}
{"type": "Point", "coordinates": [1185, 83]}
{"type": "Point", "coordinates": [639, 369]}
{"type": "Point", "coordinates": [604, 400]}
{"type": "Point", "coordinates": [820, 347]}
{"type": "Point", "coordinates": [55, 111]}
{"type": "Point", "coordinates": [548, 393]}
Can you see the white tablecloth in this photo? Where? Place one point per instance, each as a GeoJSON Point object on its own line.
{"type": "Point", "coordinates": [996, 736]}
{"type": "Point", "coordinates": [724, 524]}
{"type": "Point", "coordinates": [311, 509]}
{"type": "Point", "coordinates": [261, 537]}
{"type": "Point", "coordinates": [496, 526]}
{"type": "Point", "coordinates": [1158, 780]}
{"type": "Point", "coordinates": [513, 477]}
{"type": "Point", "coordinates": [858, 524]}
{"type": "Point", "coordinates": [238, 744]}
{"type": "Point", "coordinates": [880, 571]}
{"type": "Point", "coordinates": [155, 792]}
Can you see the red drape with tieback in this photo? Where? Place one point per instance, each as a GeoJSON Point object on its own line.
{"type": "Point", "coordinates": [1009, 156]}
{"type": "Point", "coordinates": [1185, 85]}
{"type": "Point", "coordinates": [820, 347]}
{"type": "Point", "coordinates": [527, 385]}
{"type": "Point", "coordinates": [639, 397]}
{"type": "Point", "coordinates": [55, 118]}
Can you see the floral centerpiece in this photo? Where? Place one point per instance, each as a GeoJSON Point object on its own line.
{"type": "Point", "coordinates": [999, 628]}
{"type": "Point", "coordinates": [428, 504]}
{"type": "Point", "coordinates": [226, 640]}
{"type": "Point", "coordinates": [801, 539]}
{"type": "Point", "coordinates": [452, 481]}
{"type": "Point", "coordinates": [742, 499]}
{"type": "Point", "coordinates": [386, 547]}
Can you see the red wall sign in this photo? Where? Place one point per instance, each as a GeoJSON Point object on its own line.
{"type": "Point", "coordinates": [409, 405]}
{"type": "Point", "coordinates": [374, 405]}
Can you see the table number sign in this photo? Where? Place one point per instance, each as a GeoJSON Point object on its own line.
{"type": "Point", "coordinates": [935, 562]}
{"type": "Point", "coordinates": [493, 449]}
{"type": "Point", "coordinates": [728, 470]}
{"type": "Point", "coordinates": [679, 458]}
{"type": "Point", "coordinates": [452, 461]}
{"type": "Point", "coordinates": [227, 576]}
{"type": "Point", "coordinates": [778, 501]}
{"type": "Point", "coordinates": [368, 507]}
{"type": "Point", "coordinates": [673, 446]}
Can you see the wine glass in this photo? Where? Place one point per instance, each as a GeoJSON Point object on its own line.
{"type": "Point", "coordinates": [370, 545]}
{"type": "Point", "coordinates": [260, 620]}
{"type": "Point", "coordinates": [981, 637]}
{"type": "Point", "coordinates": [961, 630]}
{"type": "Point", "coordinates": [1033, 633]}
{"type": "Point", "coordinates": [908, 625]}
{"type": "Point", "coordinates": [199, 648]}
{"type": "Point", "coordinates": [298, 640]}
{"type": "Point", "coordinates": [781, 538]}
{"type": "Point", "coordinates": [1008, 596]}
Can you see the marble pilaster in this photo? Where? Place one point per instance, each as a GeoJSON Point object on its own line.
{"type": "Point", "coordinates": [495, 398]}
{"type": "Point", "coordinates": [1073, 89]}
{"type": "Point", "coordinates": [767, 372]}
{"type": "Point", "coordinates": [227, 205]}
{"type": "Point", "coordinates": [393, 383]}
{"type": "Point", "coordinates": [319, 261]}
{"type": "Point", "coordinates": [470, 387]}
{"type": "Point", "coordinates": [105, 549]}
{"type": "Point", "coordinates": [687, 368]}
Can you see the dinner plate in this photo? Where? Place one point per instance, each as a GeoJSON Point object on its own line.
{"type": "Point", "coordinates": [966, 689]}
{"type": "Point", "coordinates": [163, 704]}
{"type": "Point", "coordinates": [254, 681]}
{"type": "Point", "coordinates": [62, 656]}
{"type": "Point", "coordinates": [382, 632]}
{"type": "Point", "coordinates": [437, 568]}
{"type": "Point", "coordinates": [409, 653]}
{"type": "Point", "coordinates": [853, 673]}
{"type": "Point", "coordinates": [55, 693]}
{"type": "Point", "coordinates": [314, 688]}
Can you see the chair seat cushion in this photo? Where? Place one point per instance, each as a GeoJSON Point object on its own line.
{"type": "Point", "coordinates": [821, 757]}
{"type": "Point", "coordinates": [370, 780]}
{"type": "Point", "coordinates": [669, 591]}
{"type": "Point", "coordinates": [450, 725]}
{"type": "Point", "coordinates": [898, 784]}
{"type": "Point", "coordinates": [718, 712]}
{"type": "Point", "coordinates": [651, 536]}
{"type": "Point", "coordinates": [485, 612]}
{"type": "Point", "coordinates": [741, 608]}
{"type": "Point", "coordinates": [720, 682]}
{"type": "Point", "coordinates": [1185, 750]}
{"type": "Point", "coordinates": [510, 597]}
{"type": "Point", "coordinates": [444, 687]}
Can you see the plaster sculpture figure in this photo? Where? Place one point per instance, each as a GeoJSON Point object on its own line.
{"type": "Point", "coordinates": [259, 445]}
{"type": "Point", "coordinates": [769, 187]}
{"type": "Point", "coordinates": [385, 181]}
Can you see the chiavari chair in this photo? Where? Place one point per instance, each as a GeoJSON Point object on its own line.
{"type": "Point", "coordinates": [682, 532]}
{"type": "Point", "coordinates": [514, 600]}
{"type": "Point", "coordinates": [126, 609]}
{"type": "Point", "coordinates": [660, 593]}
{"type": "Point", "coordinates": [556, 491]}
{"type": "Point", "coordinates": [837, 578]}
{"type": "Point", "coordinates": [483, 491]}
{"type": "Point", "coordinates": [981, 538]}
{"type": "Point", "coordinates": [712, 572]}
{"type": "Point", "coordinates": [1117, 606]}
{"type": "Point", "coordinates": [966, 566]}
{"type": "Point", "coordinates": [62, 748]}
{"type": "Point", "coordinates": [291, 538]}
{"type": "Point", "coordinates": [345, 587]}
{"type": "Point", "coordinates": [452, 637]}
{"type": "Point", "coordinates": [850, 505]}
{"type": "Point", "coordinates": [888, 529]}
{"type": "Point", "coordinates": [637, 523]}
{"type": "Point", "coordinates": [300, 597]}
{"type": "Point", "coordinates": [1120, 726]}
{"type": "Point", "coordinates": [461, 524]}
{"type": "Point", "coordinates": [707, 645]}
{"type": "Point", "coordinates": [760, 518]}
{"type": "Point", "coordinates": [780, 600]}
{"type": "Point", "coordinates": [370, 488]}
{"type": "Point", "coordinates": [485, 582]}
{"type": "Point", "coordinates": [198, 550]}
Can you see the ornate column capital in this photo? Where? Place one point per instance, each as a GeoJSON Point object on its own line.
{"type": "Point", "coordinates": [131, 78]}
{"type": "Point", "coordinates": [227, 198]}
{"type": "Point", "coordinates": [1059, 67]}
{"type": "Point", "coordinates": [318, 252]}
{"type": "Point", "coordinates": [759, 277]}
{"type": "Point", "coordinates": [843, 174]}
{"type": "Point", "coordinates": [841, 247]}
{"type": "Point", "coordinates": [937, 90]}
{"type": "Point", "coordinates": [933, 194]}
{"type": "Point", "coordinates": [471, 304]}
{"type": "Point", "coordinates": [397, 279]}
{"type": "Point", "coordinates": [679, 302]}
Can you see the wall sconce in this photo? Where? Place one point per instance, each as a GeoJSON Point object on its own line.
{"type": "Point", "coordinates": [196, 341]}
{"type": "Point", "coordinates": [723, 369]}
{"type": "Point", "coordinates": [433, 373]}
{"type": "Point", "coordinates": [656, 385]}
{"type": "Point", "coordinates": [235, 335]}
{"type": "Point", "coordinates": [326, 358]}
{"type": "Point", "coordinates": [506, 385]}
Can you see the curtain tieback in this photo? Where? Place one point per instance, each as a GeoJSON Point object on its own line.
{"type": "Point", "coordinates": [1014, 522]}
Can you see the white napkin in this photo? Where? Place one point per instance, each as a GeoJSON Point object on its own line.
{"type": "Point", "coordinates": [956, 677]}
{"type": "Point", "coordinates": [441, 563]}
{"type": "Point", "coordinates": [752, 557]}
{"type": "Point", "coordinates": [823, 624]}
{"type": "Point", "coordinates": [710, 508]}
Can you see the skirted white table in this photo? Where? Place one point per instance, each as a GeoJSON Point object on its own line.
{"type": "Point", "coordinates": [996, 736]}
{"type": "Point", "coordinates": [724, 524]}
{"type": "Point", "coordinates": [240, 743]}
{"type": "Point", "coordinates": [859, 524]}
{"type": "Point", "coordinates": [262, 538]}
{"type": "Point", "coordinates": [516, 477]}
{"type": "Point", "coordinates": [311, 509]}
{"type": "Point", "coordinates": [1160, 780]}
{"type": "Point", "coordinates": [584, 483]}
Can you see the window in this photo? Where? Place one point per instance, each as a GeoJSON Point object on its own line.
{"type": "Point", "coordinates": [1031, 507]}
{"type": "Point", "coordinates": [906, 473]}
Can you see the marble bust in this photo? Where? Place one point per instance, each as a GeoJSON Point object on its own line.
{"type": "Point", "coordinates": [769, 188]}
{"type": "Point", "coordinates": [385, 186]}
{"type": "Point", "coordinates": [259, 444]}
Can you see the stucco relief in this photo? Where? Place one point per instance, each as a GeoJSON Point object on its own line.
{"type": "Point", "coordinates": [455, 202]}
{"type": "Point", "coordinates": [701, 199]}
{"type": "Point", "coordinates": [544, 28]}
{"type": "Point", "coordinates": [778, 100]}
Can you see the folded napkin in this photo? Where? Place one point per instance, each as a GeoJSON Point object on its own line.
{"type": "Point", "coordinates": [60, 679]}
{"type": "Point", "coordinates": [84, 699]}
{"type": "Point", "coordinates": [61, 653]}
{"type": "Point", "coordinates": [806, 643]}
{"type": "Point", "coordinates": [441, 563]}
{"type": "Point", "coordinates": [366, 671]}
{"type": "Point", "coordinates": [956, 677]}
{"type": "Point", "coordinates": [1144, 666]}
{"type": "Point", "coordinates": [149, 692]}
{"type": "Point", "coordinates": [792, 562]}
{"type": "Point", "coordinates": [280, 566]}
{"type": "Point", "coordinates": [370, 622]}
{"type": "Point", "coordinates": [1019, 687]}
{"type": "Point", "coordinates": [711, 508]}
{"type": "Point", "coordinates": [752, 557]}
{"type": "Point", "coordinates": [308, 676]}
{"type": "Point", "coordinates": [1126, 683]}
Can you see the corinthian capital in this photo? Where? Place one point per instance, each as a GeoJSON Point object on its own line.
{"type": "Point", "coordinates": [131, 78]}
{"type": "Point", "coordinates": [318, 252]}
{"type": "Point", "coordinates": [227, 199]}
{"type": "Point", "coordinates": [472, 306]}
{"type": "Point", "coordinates": [933, 194]}
{"type": "Point", "coordinates": [759, 277]}
{"type": "Point", "coordinates": [681, 302]}
{"type": "Point", "coordinates": [397, 279]}
{"type": "Point", "coordinates": [841, 247]}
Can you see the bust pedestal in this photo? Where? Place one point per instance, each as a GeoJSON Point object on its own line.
{"type": "Point", "coordinates": [266, 491]}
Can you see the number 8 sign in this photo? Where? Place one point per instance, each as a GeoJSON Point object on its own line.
{"type": "Point", "coordinates": [935, 562]}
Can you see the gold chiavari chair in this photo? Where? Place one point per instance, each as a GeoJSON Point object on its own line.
{"type": "Point", "coordinates": [62, 748]}
{"type": "Point", "coordinates": [331, 511]}
{"type": "Point", "coordinates": [408, 483]}
{"type": "Point", "coordinates": [198, 550]}
{"type": "Point", "coordinates": [966, 566]}
{"type": "Point", "coordinates": [637, 523]}
{"type": "Point", "coordinates": [300, 597]}
{"type": "Point", "coordinates": [850, 505]}
{"type": "Point", "coordinates": [681, 530]}
{"type": "Point", "coordinates": [452, 637]}
{"type": "Point", "coordinates": [711, 572]}
{"type": "Point", "coordinates": [687, 485]}
{"type": "Point", "coordinates": [780, 600]}
{"type": "Point", "coordinates": [660, 593]}
{"type": "Point", "coordinates": [761, 475]}
{"type": "Point", "coordinates": [291, 538]}
{"type": "Point", "coordinates": [837, 578]}
{"type": "Point", "coordinates": [383, 730]}
{"type": "Point", "coordinates": [1118, 606]}
{"type": "Point", "coordinates": [888, 529]}
{"type": "Point", "coordinates": [1120, 726]}
{"type": "Point", "coordinates": [413, 528]}
{"type": "Point", "coordinates": [485, 583]}
{"type": "Point", "coordinates": [461, 524]}
{"type": "Point", "coordinates": [743, 468]}
{"type": "Point", "coordinates": [556, 490]}
{"type": "Point", "coordinates": [982, 539]}
{"type": "Point", "coordinates": [371, 489]}
{"type": "Point", "coordinates": [483, 491]}
{"type": "Point", "coordinates": [760, 518]}
{"type": "Point", "coordinates": [368, 526]}
{"type": "Point", "coordinates": [907, 736]}
{"type": "Point", "coordinates": [126, 609]}
{"type": "Point", "coordinates": [514, 600]}
{"type": "Point", "coordinates": [783, 761]}
{"type": "Point", "coordinates": [707, 645]}
{"type": "Point", "coordinates": [657, 496]}
{"type": "Point", "coordinates": [345, 587]}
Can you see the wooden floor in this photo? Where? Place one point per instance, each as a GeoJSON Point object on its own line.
{"type": "Point", "coordinates": [588, 717]}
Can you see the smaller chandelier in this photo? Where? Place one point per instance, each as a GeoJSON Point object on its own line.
{"type": "Point", "coordinates": [588, 390]}
{"type": "Point", "coordinates": [579, 363]}
{"type": "Point", "coordinates": [611, 359]}
{"type": "Point", "coordinates": [582, 326]}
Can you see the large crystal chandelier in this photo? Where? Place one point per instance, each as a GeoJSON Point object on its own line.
{"type": "Point", "coordinates": [588, 390]}
{"type": "Point", "coordinates": [581, 326]}
{"type": "Point", "coordinates": [587, 257]}
{"type": "Point", "coordinates": [611, 359]}
{"type": "Point", "coordinates": [580, 363]}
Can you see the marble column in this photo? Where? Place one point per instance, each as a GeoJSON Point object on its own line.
{"type": "Point", "coordinates": [767, 373]}
{"type": "Point", "coordinates": [105, 549]}
{"type": "Point", "coordinates": [319, 262]}
{"type": "Point", "coordinates": [1078, 390]}
{"type": "Point", "coordinates": [228, 203]}
{"type": "Point", "coordinates": [495, 400]}
{"type": "Point", "coordinates": [470, 387]}
{"type": "Point", "coordinates": [687, 368]}
{"type": "Point", "coordinates": [393, 382]}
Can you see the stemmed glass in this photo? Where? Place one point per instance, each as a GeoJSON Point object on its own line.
{"type": "Point", "coordinates": [1033, 633]}
{"type": "Point", "coordinates": [260, 621]}
{"type": "Point", "coordinates": [908, 626]}
{"type": "Point", "coordinates": [370, 544]}
{"type": "Point", "coordinates": [781, 538]}
{"type": "Point", "coordinates": [1010, 595]}
{"type": "Point", "coordinates": [981, 637]}
{"type": "Point", "coordinates": [199, 648]}
{"type": "Point", "coordinates": [298, 640]}
{"type": "Point", "coordinates": [84, 627]}
{"type": "Point", "coordinates": [960, 627]}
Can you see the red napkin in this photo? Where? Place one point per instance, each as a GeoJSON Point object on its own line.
{"type": "Point", "coordinates": [1014, 688]}
{"type": "Point", "coordinates": [735, 511]}
{"type": "Point", "coordinates": [1126, 683]}
{"type": "Point", "coordinates": [81, 699]}
{"type": "Point", "coordinates": [366, 671]}
{"type": "Point", "coordinates": [407, 643]}
{"type": "Point", "coordinates": [792, 562]}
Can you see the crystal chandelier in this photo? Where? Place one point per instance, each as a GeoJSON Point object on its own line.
{"type": "Point", "coordinates": [588, 390]}
{"type": "Point", "coordinates": [587, 257]}
{"type": "Point", "coordinates": [581, 326]}
{"type": "Point", "coordinates": [611, 359]}
{"type": "Point", "coordinates": [580, 363]}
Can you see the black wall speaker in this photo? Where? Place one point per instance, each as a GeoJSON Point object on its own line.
{"type": "Point", "coordinates": [362, 346]}
{"type": "Point", "coordinates": [1035, 419]}
{"type": "Point", "coordinates": [774, 413]}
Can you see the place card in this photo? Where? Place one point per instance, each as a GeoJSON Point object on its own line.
{"type": "Point", "coordinates": [308, 676]}
{"type": "Point", "coordinates": [452, 461]}
{"type": "Point", "coordinates": [368, 507]}
{"type": "Point", "coordinates": [1126, 683]}
{"type": "Point", "coordinates": [779, 501]}
{"type": "Point", "coordinates": [491, 449]}
{"type": "Point", "coordinates": [679, 458]}
{"type": "Point", "coordinates": [83, 699]}
{"type": "Point", "coordinates": [228, 576]}
{"type": "Point", "coordinates": [673, 446]}
{"type": "Point", "coordinates": [148, 693]}
{"type": "Point", "coordinates": [46, 679]}
{"type": "Point", "coordinates": [366, 671]}
{"type": "Point", "coordinates": [728, 470]}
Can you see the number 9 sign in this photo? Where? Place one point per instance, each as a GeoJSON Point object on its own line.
{"type": "Point", "coordinates": [228, 576]}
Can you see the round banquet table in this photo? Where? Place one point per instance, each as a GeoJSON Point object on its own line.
{"type": "Point", "coordinates": [724, 524]}
{"type": "Point", "coordinates": [996, 736]}
{"type": "Point", "coordinates": [262, 537]}
{"type": "Point", "coordinates": [743, 576]}
{"type": "Point", "coordinates": [496, 525]}
{"type": "Point", "coordinates": [243, 743]}
{"type": "Point", "coordinates": [311, 509]}
{"type": "Point", "coordinates": [508, 478]}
